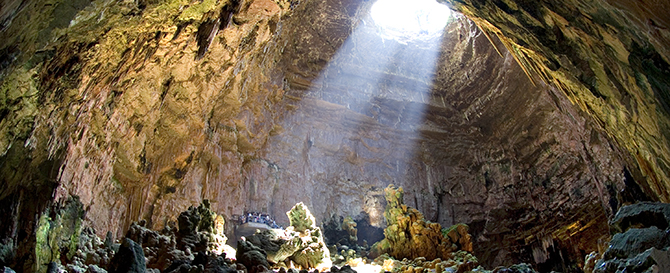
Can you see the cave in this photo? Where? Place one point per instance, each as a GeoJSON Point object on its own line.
{"type": "Point", "coordinates": [531, 122]}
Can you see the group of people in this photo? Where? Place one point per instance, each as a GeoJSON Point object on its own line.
{"type": "Point", "coordinates": [256, 217]}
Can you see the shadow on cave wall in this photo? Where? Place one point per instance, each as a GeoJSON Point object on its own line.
{"type": "Point", "coordinates": [26, 195]}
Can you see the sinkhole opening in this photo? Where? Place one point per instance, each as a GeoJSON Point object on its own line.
{"type": "Point", "coordinates": [410, 20]}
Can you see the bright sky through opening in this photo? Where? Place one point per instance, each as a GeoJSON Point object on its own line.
{"type": "Point", "coordinates": [405, 19]}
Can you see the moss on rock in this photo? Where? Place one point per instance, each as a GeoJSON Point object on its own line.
{"type": "Point", "coordinates": [58, 235]}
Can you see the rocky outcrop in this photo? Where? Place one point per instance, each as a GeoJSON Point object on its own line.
{"type": "Point", "coordinates": [141, 250]}
{"type": "Point", "coordinates": [201, 229]}
{"type": "Point", "coordinates": [275, 246]}
{"type": "Point", "coordinates": [409, 235]}
{"type": "Point", "coordinates": [160, 249]}
{"type": "Point", "coordinates": [641, 242]}
{"type": "Point", "coordinates": [129, 258]}
{"type": "Point", "coordinates": [252, 257]}
{"type": "Point", "coordinates": [349, 225]}
{"type": "Point", "coordinates": [58, 236]}
{"type": "Point", "coordinates": [301, 243]}
{"type": "Point", "coordinates": [313, 252]}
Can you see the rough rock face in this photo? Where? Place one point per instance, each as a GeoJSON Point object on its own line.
{"type": "Point", "coordinates": [120, 122]}
{"type": "Point", "coordinates": [368, 120]}
{"type": "Point", "coordinates": [609, 57]}
{"type": "Point", "coordinates": [641, 242]}
{"type": "Point", "coordinates": [144, 108]}
{"type": "Point", "coordinates": [409, 235]}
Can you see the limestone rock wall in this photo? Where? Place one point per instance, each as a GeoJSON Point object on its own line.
{"type": "Point", "coordinates": [137, 118]}
{"type": "Point", "coordinates": [610, 58]}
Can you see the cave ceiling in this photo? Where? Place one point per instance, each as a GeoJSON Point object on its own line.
{"type": "Point", "coordinates": [525, 120]}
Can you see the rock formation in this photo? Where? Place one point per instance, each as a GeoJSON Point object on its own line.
{"type": "Point", "coordinates": [252, 257]}
{"type": "Point", "coordinates": [129, 258]}
{"type": "Point", "coordinates": [409, 235]}
{"type": "Point", "coordinates": [641, 242]}
{"type": "Point", "coordinates": [301, 243]}
{"type": "Point", "coordinates": [277, 248]}
{"type": "Point", "coordinates": [313, 252]}
{"type": "Point", "coordinates": [198, 244]}
{"type": "Point", "coordinates": [349, 225]}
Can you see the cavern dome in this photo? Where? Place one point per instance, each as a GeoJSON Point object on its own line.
{"type": "Point", "coordinates": [369, 136]}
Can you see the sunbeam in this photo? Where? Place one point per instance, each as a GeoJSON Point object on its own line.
{"type": "Point", "coordinates": [419, 19]}
{"type": "Point", "coordinates": [388, 61]}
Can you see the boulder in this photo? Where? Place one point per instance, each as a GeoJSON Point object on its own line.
{"type": "Point", "coordinates": [129, 259]}
{"type": "Point", "coordinates": [277, 248]}
{"type": "Point", "coordinates": [635, 241]}
{"type": "Point", "coordinates": [250, 255]}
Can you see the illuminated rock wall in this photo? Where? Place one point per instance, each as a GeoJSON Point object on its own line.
{"type": "Point", "coordinates": [611, 58]}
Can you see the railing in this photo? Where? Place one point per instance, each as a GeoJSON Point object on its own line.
{"type": "Point", "coordinates": [255, 217]}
